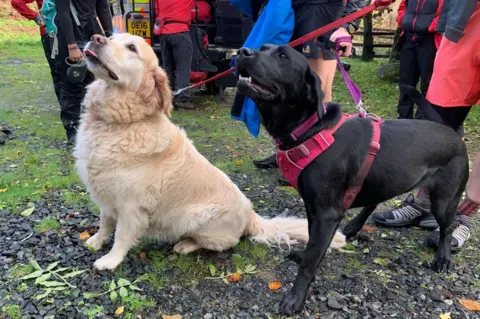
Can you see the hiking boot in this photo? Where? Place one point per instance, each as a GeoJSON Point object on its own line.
{"type": "Point", "coordinates": [268, 162]}
{"type": "Point", "coordinates": [408, 214]}
{"type": "Point", "coordinates": [429, 222]}
{"type": "Point", "coordinates": [461, 233]}
{"type": "Point", "coordinates": [186, 105]}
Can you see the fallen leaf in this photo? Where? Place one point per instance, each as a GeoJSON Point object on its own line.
{"type": "Point", "coordinates": [239, 162]}
{"type": "Point", "coordinates": [142, 255]}
{"type": "Point", "coordinates": [120, 310]}
{"type": "Point", "coordinates": [470, 304]}
{"type": "Point", "coordinates": [172, 317]}
{"type": "Point", "coordinates": [369, 229]}
{"type": "Point", "coordinates": [274, 285]}
{"type": "Point", "coordinates": [445, 315]}
{"type": "Point", "coordinates": [234, 277]}
{"type": "Point", "coordinates": [19, 153]}
{"type": "Point", "coordinates": [235, 154]}
{"type": "Point", "coordinates": [3, 190]}
{"type": "Point", "coordinates": [28, 211]}
{"type": "Point", "coordinates": [84, 235]}
{"type": "Point", "coordinates": [228, 147]}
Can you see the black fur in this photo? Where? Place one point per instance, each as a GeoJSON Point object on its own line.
{"type": "Point", "coordinates": [413, 153]}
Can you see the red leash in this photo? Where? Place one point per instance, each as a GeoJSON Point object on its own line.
{"type": "Point", "coordinates": [294, 43]}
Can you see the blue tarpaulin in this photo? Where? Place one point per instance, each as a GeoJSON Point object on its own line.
{"type": "Point", "coordinates": [274, 26]}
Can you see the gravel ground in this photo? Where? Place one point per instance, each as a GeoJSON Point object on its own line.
{"type": "Point", "coordinates": [386, 277]}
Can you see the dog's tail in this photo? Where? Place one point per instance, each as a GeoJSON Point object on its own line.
{"type": "Point", "coordinates": [283, 230]}
{"type": "Point", "coordinates": [428, 110]}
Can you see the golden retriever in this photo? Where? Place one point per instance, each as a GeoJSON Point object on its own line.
{"type": "Point", "coordinates": [146, 175]}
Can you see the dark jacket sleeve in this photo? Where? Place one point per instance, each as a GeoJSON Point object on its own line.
{"type": "Point", "coordinates": [454, 17]}
{"type": "Point", "coordinates": [353, 6]}
{"type": "Point", "coordinates": [105, 17]}
{"type": "Point", "coordinates": [66, 23]}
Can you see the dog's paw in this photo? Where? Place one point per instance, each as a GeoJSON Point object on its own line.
{"type": "Point", "coordinates": [442, 265]}
{"type": "Point", "coordinates": [186, 246]}
{"type": "Point", "coordinates": [95, 242]}
{"type": "Point", "coordinates": [296, 256]}
{"type": "Point", "coordinates": [107, 262]}
{"type": "Point", "coordinates": [290, 304]}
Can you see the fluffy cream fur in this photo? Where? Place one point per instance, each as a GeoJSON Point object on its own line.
{"type": "Point", "coordinates": [146, 175]}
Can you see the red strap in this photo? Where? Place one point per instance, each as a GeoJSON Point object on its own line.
{"type": "Point", "coordinates": [322, 141]}
{"type": "Point", "coordinates": [355, 187]}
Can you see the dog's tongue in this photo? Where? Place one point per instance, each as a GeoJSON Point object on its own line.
{"type": "Point", "coordinates": [90, 52]}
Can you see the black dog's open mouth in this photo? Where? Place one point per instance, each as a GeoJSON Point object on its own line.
{"type": "Point", "coordinates": [93, 58]}
{"type": "Point", "coordinates": [246, 80]}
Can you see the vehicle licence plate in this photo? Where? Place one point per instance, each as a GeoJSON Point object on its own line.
{"type": "Point", "coordinates": [139, 27]}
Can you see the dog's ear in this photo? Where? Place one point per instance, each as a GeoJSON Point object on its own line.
{"type": "Point", "coordinates": [314, 90]}
{"type": "Point", "coordinates": [163, 93]}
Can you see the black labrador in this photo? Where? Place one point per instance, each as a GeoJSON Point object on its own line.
{"type": "Point", "coordinates": [413, 153]}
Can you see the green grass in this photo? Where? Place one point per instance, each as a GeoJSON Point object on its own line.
{"type": "Point", "coordinates": [12, 311]}
{"type": "Point", "coordinates": [47, 224]}
{"type": "Point", "coordinates": [21, 270]}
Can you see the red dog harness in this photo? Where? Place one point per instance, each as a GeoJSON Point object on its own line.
{"type": "Point", "coordinates": [291, 162]}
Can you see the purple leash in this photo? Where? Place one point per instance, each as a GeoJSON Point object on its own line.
{"type": "Point", "coordinates": [352, 87]}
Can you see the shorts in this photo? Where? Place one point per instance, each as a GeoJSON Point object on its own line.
{"type": "Point", "coordinates": [456, 71]}
{"type": "Point", "coordinates": [310, 17]}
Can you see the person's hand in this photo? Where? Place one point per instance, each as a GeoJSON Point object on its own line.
{"type": "Point", "coordinates": [382, 4]}
{"type": "Point", "coordinates": [39, 20]}
{"type": "Point", "coordinates": [340, 33]}
{"type": "Point", "coordinates": [74, 53]}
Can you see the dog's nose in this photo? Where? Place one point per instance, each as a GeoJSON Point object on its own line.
{"type": "Point", "coordinates": [245, 52]}
{"type": "Point", "coordinates": [98, 39]}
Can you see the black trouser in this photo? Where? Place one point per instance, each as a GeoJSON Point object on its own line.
{"type": "Point", "coordinates": [47, 43]}
{"type": "Point", "coordinates": [72, 94]}
{"type": "Point", "coordinates": [176, 51]}
{"type": "Point", "coordinates": [416, 62]}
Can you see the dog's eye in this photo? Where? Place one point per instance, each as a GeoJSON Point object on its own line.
{"type": "Point", "coordinates": [132, 48]}
{"type": "Point", "coordinates": [283, 56]}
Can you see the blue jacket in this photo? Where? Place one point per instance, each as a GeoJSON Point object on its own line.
{"type": "Point", "coordinates": [274, 26]}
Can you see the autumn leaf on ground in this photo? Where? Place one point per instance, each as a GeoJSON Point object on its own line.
{"type": "Point", "coordinates": [3, 190]}
{"type": "Point", "coordinates": [234, 277]}
{"type": "Point", "coordinates": [369, 229]}
{"type": "Point", "coordinates": [445, 315]}
{"type": "Point", "coordinates": [470, 304]}
{"type": "Point", "coordinates": [27, 212]}
{"type": "Point", "coordinates": [120, 310]}
{"type": "Point", "coordinates": [239, 162]}
{"type": "Point", "coordinates": [172, 317]}
{"type": "Point", "coordinates": [274, 285]}
{"type": "Point", "coordinates": [228, 147]}
{"type": "Point", "coordinates": [142, 255]}
{"type": "Point", "coordinates": [84, 235]}
{"type": "Point", "coordinates": [235, 154]}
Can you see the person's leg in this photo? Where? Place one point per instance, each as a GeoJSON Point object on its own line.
{"type": "Point", "coordinates": [47, 43]}
{"type": "Point", "coordinates": [68, 114]}
{"type": "Point", "coordinates": [168, 62]}
{"type": "Point", "coordinates": [409, 75]}
{"type": "Point", "coordinates": [426, 52]}
{"type": "Point", "coordinates": [182, 50]}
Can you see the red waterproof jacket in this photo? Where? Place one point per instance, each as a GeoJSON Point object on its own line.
{"type": "Point", "coordinates": [175, 15]}
{"type": "Point", "coordinates": [26, 12]}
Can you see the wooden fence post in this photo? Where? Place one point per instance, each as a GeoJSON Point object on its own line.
{"type": "Point", "coordinates": [368, 52]}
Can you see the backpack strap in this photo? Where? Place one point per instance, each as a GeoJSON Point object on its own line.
{"type": "Point", "coordinates": [74, 13]}
{"type": "Point", "coordinates": [54, 47]}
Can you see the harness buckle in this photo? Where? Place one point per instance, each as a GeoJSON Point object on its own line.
{"type": "Point", "coordinates": [374, 148]}
{"type": "Point", "coordinates": [302, 149]}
